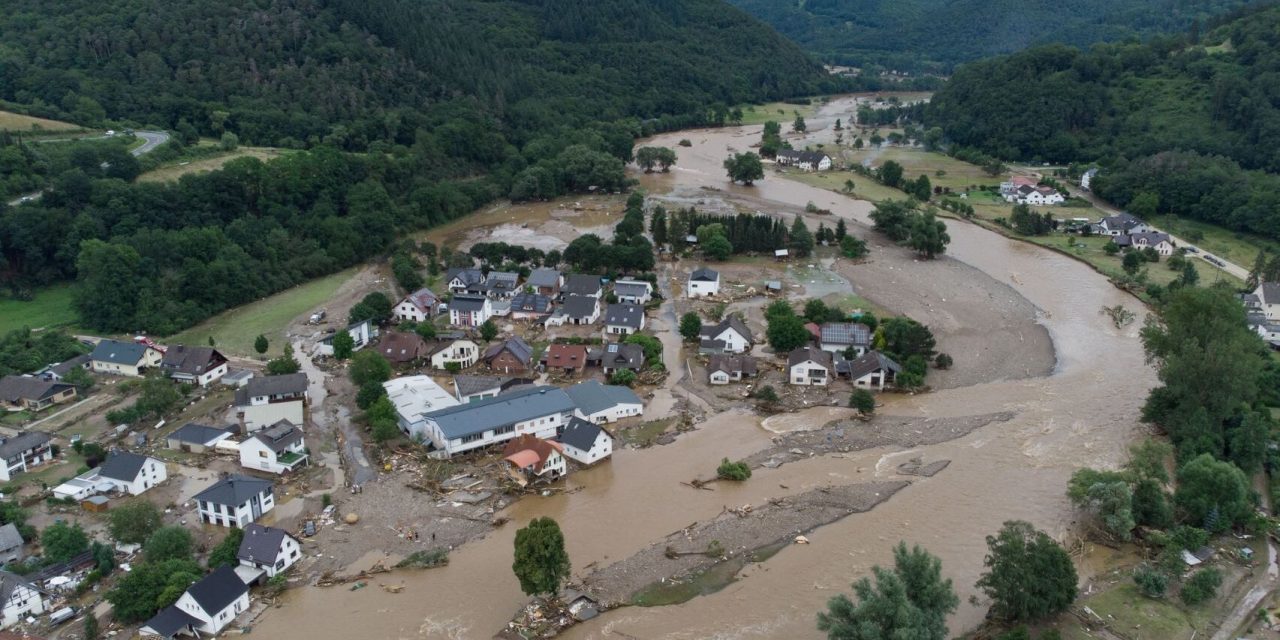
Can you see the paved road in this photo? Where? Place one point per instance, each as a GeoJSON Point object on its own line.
{"type": "Point", "coordinates": [151, 140]}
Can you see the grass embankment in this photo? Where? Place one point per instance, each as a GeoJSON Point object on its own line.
{"type": "Point", "coordinates": [1129, 612]}
{"type": "Point", "coordinates": [234, 331]}
{"type": "Point", "coordinates": [16, 122]}
{"type": "Point", "coordinates": [783, 113]}
{"type": "Point", "coordinates": [51, 307]}
{"type": "Point", "coordinates": [170, 172]}
{"type": "Point", "coordinates": [1240, 248]}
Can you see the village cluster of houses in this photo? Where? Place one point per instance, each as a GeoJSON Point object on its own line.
{"type": "Point", "coordinates": [1131, 232]}
{"type": "Point", "coordinates": [1263, 309]}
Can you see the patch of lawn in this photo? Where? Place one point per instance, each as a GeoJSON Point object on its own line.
{"type": "Point", "coordinates": [645, 434]}
{"type": "Point", "coordinates": [172, 171]}
{"type": "Point", "coordinates": [234, 331]}
{"type": "Point", "coordinates": [1137, 616]}
{"type": "Point", "coordinates": [864, 188]}
{"type": "Point", "coordinates": [1240, 248]}
{"type": "Point", "coordinates": [51, 307]}
{"type": "Point", "coordinates": [781, 112]}
{"type": "Point", "coordinates": [10, 121]}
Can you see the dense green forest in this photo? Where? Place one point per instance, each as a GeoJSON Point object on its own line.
{"type": "Point", "coordinates": [1192, 120]}
{"type": "Point", "coordinates": [934, 35]}
{"type": "Point", "coordinates": [413, 113]}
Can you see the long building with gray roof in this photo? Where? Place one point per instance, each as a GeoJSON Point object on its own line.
{"type": "Point", "coordinates": [533, 410]}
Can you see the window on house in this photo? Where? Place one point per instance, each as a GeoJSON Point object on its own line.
{"type": "Point", "coordinates": [472, 438]}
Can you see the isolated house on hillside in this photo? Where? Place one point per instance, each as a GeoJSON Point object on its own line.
{"type": "Point", "coordinates": [124, 358]}
{"type": "Point", "coordinates": [585, 442]}
{"type": "Point", "coordinates": [804, 160]}
{"type": "Point", "coordinates": [513, 355]}
{"type": "Point", "coordinates": [1268, 296]}
{"type": "Point", "coordinates": [419, 306]}
{"type": "Point", "coordinates": [703, 282]}
{"type": "Point", "coordinates": [194, 365]}
{"type": "Point", "coordinates": [34, 394]}
{"type": "Point", "coordinates": [267, 400]}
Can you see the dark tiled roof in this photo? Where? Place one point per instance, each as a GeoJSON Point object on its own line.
{"type": "Point", "coordinates": [704, 274]}
{"type": "Point", "coordinates": [544, 278]}
{"type": "Point", "coordinates": [746, 365]}
{"type": "Point", "coordinates": [291, 383]}
{"type": "Point", "coordinates": [1270, 292]}
{"type": "Point", "coordinates": [197, 433]}
{"type": "Point", "coordinates": [117, 352]}
{"type": "Point", "coordinates": [401, 346]}
{"type": "Point", "coordinates": [581, 284]}
{"type": "Point", "coordinates": [869, 362]}
{"type": "Point", "coordinates": [218, 590]}
{"type": "Point", "coordinates": [191, 360]}
{"type": "Point", "coordinates": [467, 303]}
{"type": "Point", "coordinates": [261, 544]}
{"type": "Point", "coordinates": [469, 276]}
{"type": "Point", "coordinates": [279, 436]}
{"type": "Point", "coordinates": [233, 490]}
{"type": "Point", "coordinates": [625, 356]}
{"type": "Point", "coordinates": [809, 353]}
{"type": "Point", "coordinates": [531, 303]}
{"type": "Point", "coordinates": [516, 346]}
{"type": "Point", "coordinates": [848, 333]}
{"type": "Point", "coordinates": [592, 397]}
{"type": "Point", "coordinates": [580, 434]}
{"type": "Point", "coordinates": [15, 388]}
{"type": "Point", "coordinates": [580, 306]}
{"type": "Point", "coordinates": [500, 411]}
{"type": "Point", "coordinates": [9, 582]}
{"type": "Point", "coordinates": [122, 465]}
{"type": "Point", "coordinates": [9, 537]}
{"type": "Point", "coordinates": [624, 315]}
{"type": "Point", "coordinates": [631, 288]}
{"type": "Point", "coordinates": [24, 441]}
{"type": "Point", "coordinates": [732, 322]}
{"type": "Point", "coordinates": [65, 367]}
{"type": "Point", "coordinates": [170, 621]}
{"type": "Point", "coordinates": [468, 385]}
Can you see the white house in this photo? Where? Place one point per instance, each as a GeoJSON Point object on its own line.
{"type": "Point", "coordinates": [280, 448]}
{"type": "Point", "coordinates": [10, 544]}
{"type": "Point", "coordinates": [582, 284]}
{"type": "Point", "coordinates": [269, 549]}
{"type": "Point", "coordinates": [194, 365]}
{"type": "Point", "coordinates": [123, 358]}
{"type": "Point", "coordinates": [804, 160]}
{"type": "Point", "coordinates": [414, 397]}
{"type": "Point", "coordinates": [501, 284]}
{"type": "Point", "coordinates": [599, 403]}
{"type": "Point", "coordinates": [453, 348]}
{"type": "Point", "coordinates": [469, 310]}
{"type": "Point", "coordinates": [585, 442]}
{"type": "Point", "coordinates": [196, 438]}
{"type": "Point", "coordinates": [1268, 294]}
{"type": "Point", "coordinates": [1036, 195]}
{"type": "Point", "coordinates": [808, 366]}
{"type": "Point", "coordinates": [531, 458]}
{"type": "Point", "coordinates": [633, 291]}
{"type": "Point", "coordinates": [537, 411]}
{"type": "Point", "coordinates": [723, 369]}
{"type": "Point", "coordinates": [465, 280]}
{"type": "Point", "coordinates": [837, 337]}
{"type": "Point", "coordinates": [1086, 179]}
{"type": "Point", "coordinates": [132, 473]}
{"type": "Point", "coordinates": [580, 310]}
{"type": "Point", "coordinates": [419, 306]}
{"type": "Point", "coordinates": [267, 400]}
{"type": "Point", "coordinates": [361, 334]}
{"type": "Point", "coordinates": [235, 501]}
{"type": "Point", "coordinates": [731, 335]}
{"type": "Point", "coordinates": [1161, 242]}
{"type": "Point", "coordinates": [24, 451]}
{"type": "Point", "coordinates": [703, 282]}
{"type": "Point", "coordinates": [623, 319]}
{"type": "Point", "coordinates": [20, 598]}
{"type": "Point", "coordinates": [1122, 225]}
{"type": "Point", "coordinates": [872, 370]}
{"type": "Point", "coordinates": [206, 607]}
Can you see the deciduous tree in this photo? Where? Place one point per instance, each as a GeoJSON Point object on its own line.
{"type": "Point", "coordinates": [1029, 576]}
{"type": "Point", "coordinates": [911, 600]}
{"type": "Point", "coordinates": [541, 563]}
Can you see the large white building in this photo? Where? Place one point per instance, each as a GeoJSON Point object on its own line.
{"type": "Point", "coordinates": [414, 397]}
{"type": "Point", "coordinates": [599, 403]}
{"type": "Point", "coordinates": [538, 411]}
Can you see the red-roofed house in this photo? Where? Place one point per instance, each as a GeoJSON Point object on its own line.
{"type": "Point", "coordinates": [567, 358]}
{"type": "Point", "coordinates": [530, 458]}
{"type": "Point", "coordinates": [418, 306]}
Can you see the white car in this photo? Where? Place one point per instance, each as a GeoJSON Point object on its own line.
{"type": "Point", "coordinates": [110, 133]}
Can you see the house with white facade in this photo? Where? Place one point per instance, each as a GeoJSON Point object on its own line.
{"type": "Point", "coordinates": [501, 284]}
{"type": "Point", "coordinates": [193, 365]}
{"type": "Point", "coordinates": [530, 306]}
{"type": "Point", "coordinates": [1039, 195]}
{"type": "Point", "coordinates": [124, 358]}
{"type": "Point", "coordinates": [582, 284]}
{"type": "Point", "coordinates": [703, 282]}
{"type": "Point", "coordinates": [235, 501]}
{"type": "Point", "coordinates": [419, 306]}
{"type": "Point", "coordinates": [809, 366]}
{"type": "Point", "coordinates": [1122, 225]}
{"type": "Point", "coordinates": [623, 319]}
{"type": "Point", "coordinates": [267, 400]}
{"type": "Point", "coordinates": [24, 452]}
{"type": "Point", "coordinates": [33, 394]}
{"type": "Point", "coordinates": [1161, 242]}
{"type": "Point", "coordinates": [472, 388]}
{"type": "Point", "coordinates": [585, 442]}
{"type": "Point", "coordinates": [465, 280]}
{"type": "Point", "coordinates": [280, 448]}
{"type": "Point", "coordinates": [132, 473]}
{"type": "Point", "coordinates": [1086, 179]}
{"type": "Point", "coordinates": [531, 458]}
{"type": "Point", "coordinates": [731, 335]}
{"type": "Point", "coordinates": [615, 357]}
{"type": "Point", "coordinates": [1268, 295]}
{"type": "Point", "coordinates": [633, 291]}
{"type": "Point", "coordinates": [601, 403]}
{"type": "Point", "coordinates": [871, 370]}
{"type": "Point", "coordinates": [537, 411]}
{"type": "Point", "coordinates": [804, 160]}
{"type": "Point", "coordinates": [269, 549]}
{"type": "Point", "coordinates": [723, 369]}
{"type": "Point", "coordinates": [469, 310]}
{"type": "Point", "coordinates": [20, 599]}
{"type": "Point", "coordinates": [206, 607]}
{"type": "Point", "coordinates": [361, 334]}
{"type": "Point", "coordinates": [837, 337]}
{"type": "Point", "coordinates": [196, 438]}
{"type": "Point", "coordinates": [453, 348]}
{"type": "Point", "coordinates": [414, 397]}
{"type": "Point", "coordinates": [580, 310]}
{"type": "Point", "coordinates": [11, 544]}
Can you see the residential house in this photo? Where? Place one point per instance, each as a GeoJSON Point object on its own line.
{"type": "Point", "coordinates": [59, 371]}
{"type": "Point", "coordinates": [270, 549]}
{"type": "Point", "coordinates": [613, 357]}
{"type": "Point", "coordinates": [83, 486]}
{"type": "Point", "coordinates": [1161, 242]}
{"type": "Point", "coordinates": [414, 397]}
{"type": "Point", "coordinates": [453, 347]}
{"type": "Point", "coordinates": [703, 282]}
{"type": "Point", "coordinates": [235, 501]}
{"type": "Point", "coordinates": [473, 388]}
{"type": "Point", "coordinates": [531, 458]}
{"type": "Point", "coordinates": [539, 411]}
{"type": "Point", "coordinates": [569, 359]}
{"type": "Point", "coordinates": [723, 369]}
{"type": "Point", "coordinates": [193, 365]}
{"type": "Point", "coordinates": [580, 310]}
{"type": "Point", "coordinates": [871, 370]}
{"type": "Point", "coordinates": [206, 607]}
{"type": "Point", "coordinates": [623, 319]}
{"type": "Point", "coordinates": [469, 310]}
{"type": "Point", "coordinates": [21, 599]}
{"type": "Point", "coordinates": [361, 334]}
{"type": "Point", "coordinates": [10, 544]}
{"type": "Point", "coordinates": [33, 394]}
{"type": "Point", "coordinates": [545, 282]}
{"type": "Point", "coordinates": [1038, 195]}
{"type": "Point", "coordinates": [237, 378]}
{"type": "Point", "coordinates": [512, 355]}
{"type": "Point", "coordinates": [1009, 189]}
{"type": "Point", "coordinates": [419, 306]}
{"type": "Point", "coordinates": [582, 284]}
{"type": "Point", "coordinates": [23, 452]}
{"type": "Point", "coordinates": [633, 291]}
{"type": "Point", "coordinates": [530, 306]}
{"type": "Point", "coordinates": [600, 403]}
{"type": "Point", "coordinates": [267, 400]}
{"type": "Point", "coordinates": [837, 337]}
{"type": "Point", "coordinates": [731, 335]}
{"type": "Point", "coordinates": [804, 160]}
{"type": "Point", "coordinates": [132, 473]}
{"type": "Point", "coordinates": [465, 280]}
{"type": "Point", "coordinates": [1086, 179]}
{"type": "Point", "coordinates": [1268, 295]}
{"type": "Point", "coordinates": [809, 366]}
{"type": "Point", "coordinates": [1122, 225]}
{"type": "Point", "coordinates": [280, 448]}
{"type": "Point", "coordinates": [501, 284]}
{"type": "Point", "coordinates": [585, 442]}
{"type": "Point", "coordinates": [402, 347]}
{"type": "Point", "coordinates": [124, 358]}
{"type": "Point", "coordinates": [196, 438]}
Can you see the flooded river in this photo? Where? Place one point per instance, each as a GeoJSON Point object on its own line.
{"type": "Point", "coordinates": [1082, 414]}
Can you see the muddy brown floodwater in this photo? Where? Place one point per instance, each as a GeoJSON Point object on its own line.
{"type": "Point", "coordinates": [1082, 414]}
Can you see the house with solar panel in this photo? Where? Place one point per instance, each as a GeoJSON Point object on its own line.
{"type": "Point", "coordinates": [838, 337]}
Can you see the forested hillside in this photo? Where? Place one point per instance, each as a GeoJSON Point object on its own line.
{"type": "Point", "coordinates": [1194, 123]}
{"type": "Point", "coordinates": [934, 35]}
{"type": "Point", "coordinates": [413, 112]}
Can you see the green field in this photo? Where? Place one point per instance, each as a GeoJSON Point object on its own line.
{"type": "Point", "coordinates": [233, 331]}
{"type": "Point", "coordinates": [1091, 251]}
{"type": "Point", "coordinates": [1240, 248]}
{"type": "Point", "coordinates": [781, 112]}
{"type": "Point", "coordinates": [1128, 612]}
{"type": "Point", "coordinates": [10, 121]}
{"type": "Point", "coordinates": [51, 307]}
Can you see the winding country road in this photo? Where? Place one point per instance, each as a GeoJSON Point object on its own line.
{"type": "Point", "coordinates": [151, 141]}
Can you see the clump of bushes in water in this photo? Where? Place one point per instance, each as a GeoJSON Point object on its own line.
{"type": "Point", "coordinates": [736, 471]}
{"type": "Point", "coordinates": [425, 559]}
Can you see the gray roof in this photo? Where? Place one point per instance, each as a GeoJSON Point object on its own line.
{"type": "Point", "coordinates": [576, 306]}
{"type": "Point", "coordinates": [636, 289]}
{"type": "Point", "coordinates": [517, 346]}
{"type": "Point", "coordinates": [1269, 292]}
{"type": "Point", "coordinates": [623, 356]}
{"type": "Point", "coordinates": [233, 490]}
{"type": "Point", "coordinates": [746, 365]}
{"type": "Point", "coordinates": [170, 621]}
{"type": "Point", "coordinates": [580, 434]}
{"type": "Point", "coordinates": [122, 465]}
{"type": "Point", "coordinates": [9, 582]}
{"type": "Point", "coordinates": [261, 544]}
{"type": "Point", "coordinates": [117, 352]}
{"type": "Point", "coordinates": [809, 353]}
{"type": "Point", "coordinates": [9, 537]}
{"type": "Point", "coordinates": [65, 367]}
{"type": "Point", "coordinates": [198, 434]}
{"type": "Point", "coordinates": [732, 322]}
{"type": "Point", "coordinates": [218, 590]}
{"type": "Point", "coordinates": [467, 303]}
{"type": "Point", "coordinates": [15, 388]}
{"type": "Point", "coordinates": [504, 279]}
{"type": "Point", "coordinates": [592, 397]}
{"type": "Point", "coordinates": [704, 274]}
{"type": "Point", "coordinates": [1123, 221]}
{"type": "Point", "coordinates": [1151, 237]}
{"type": "Point", "coordinates": [624, 315]}
{"type": "Point", "coordinates": [191, 360]}
{"type": "Point", "coordinates": [468, 385]}
{"type": "Point", "coordinates": [24, 441]}
{"type": "Point", "coordinates": [272, 386]}
{"type": "Point", "coordinates": [531, 303]}
{"type": "Point", "coordinates": [469, 276]}
{"type": "Point", "coordinates": [869, 362]}
{"type": "Point", "coordinates": [802, 156]}
{"type": "Point", "coordinates": [544, 278]}
{"type": "Point", "coordinates": [848, 333]}
{"type": "Point", "coordinates": [500, 411]}
{"type": "Point", "coordinates": [423, 298]}
{"type": "Point", "coordinates": [279, 436]}
{"type": "Point", "coordinates": [582, 284]}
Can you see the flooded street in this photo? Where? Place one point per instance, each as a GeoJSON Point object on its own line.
{"type": "Point", "coordinates": [1084, 414]}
